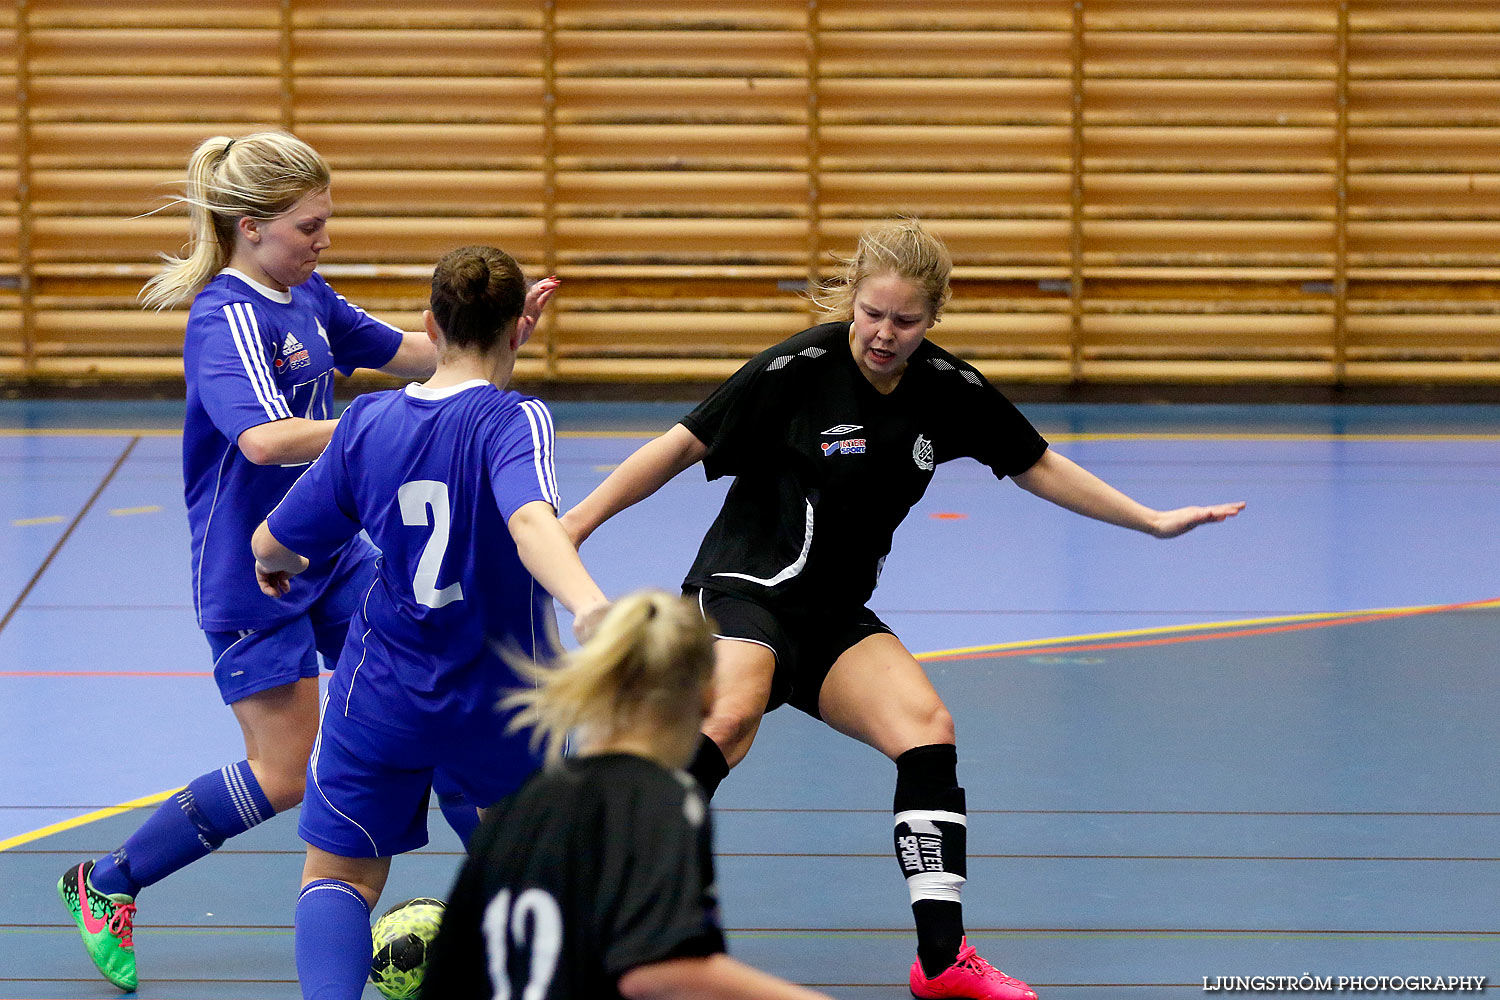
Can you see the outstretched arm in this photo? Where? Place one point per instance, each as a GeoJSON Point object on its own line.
{"type": "Point", "coordinates": [287, 441]}
{"type": "Point", "coordinates": [642, 474]}
{"type": "Point", "coordinates": [417, 357]}
{"type": "Point", "coordinates": [1059, 479]}
{"type": "Point", "coordinates": [549, 555]}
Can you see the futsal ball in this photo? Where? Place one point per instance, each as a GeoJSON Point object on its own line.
{"type": "Point", "coordinates": [402, 939]}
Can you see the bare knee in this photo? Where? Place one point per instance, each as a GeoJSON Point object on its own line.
{"type": "Point", "coordinates": [938, 726]}
{"type": "Point", "coordinates": [925, 725]}
{"type": "Point", "coordinates": [282, 781]}
{"type": "Point", "coordinates": [733, 730]}
{"type": "Point", "coordinates": [367, 876]}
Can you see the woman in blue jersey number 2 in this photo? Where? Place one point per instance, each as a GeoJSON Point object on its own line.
{"type": "Point", "coordinates": [454, 480]}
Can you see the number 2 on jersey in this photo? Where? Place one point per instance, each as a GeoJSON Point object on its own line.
{"type": "Point", "coordinates": [416, 499]}
{"type": "Point", "coordinates": [534, 926]}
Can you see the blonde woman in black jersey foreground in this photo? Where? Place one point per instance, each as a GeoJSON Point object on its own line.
{"type": "Point", "coordinates": [832, 436]}
{"type": "Point", "coordinates": [595, 880]}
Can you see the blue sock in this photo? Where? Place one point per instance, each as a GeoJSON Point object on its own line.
{"type": "Point", "coordinates": [460, 813]}
{"type": "Point", "coordinates": [333, 941]}
{"type": "Point", "coordinates": [211, 809]}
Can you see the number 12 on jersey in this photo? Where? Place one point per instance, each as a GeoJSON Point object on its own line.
{"type": "Point", "coordinates": [533, 927]}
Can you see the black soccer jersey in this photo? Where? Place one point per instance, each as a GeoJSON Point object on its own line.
{"type": "Point", "coordinates": [826, 466]}
{"type": "Point", "coordinates": [590, 870]}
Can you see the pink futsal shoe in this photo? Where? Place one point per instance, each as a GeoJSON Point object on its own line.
{"type": "Point", "coordinates": [970, 978]}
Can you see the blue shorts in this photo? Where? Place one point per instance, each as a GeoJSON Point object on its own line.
{"type": "Point", "coordinates": [367, 788]}
{"type": "Point", "coordinates": [249, 661]}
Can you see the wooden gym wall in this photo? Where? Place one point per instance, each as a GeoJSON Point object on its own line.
{"type": "Point", "coordinates": [1297, 190]}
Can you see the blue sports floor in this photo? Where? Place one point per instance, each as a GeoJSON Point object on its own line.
{"type": "Point", "coordinates": [1263, 749]}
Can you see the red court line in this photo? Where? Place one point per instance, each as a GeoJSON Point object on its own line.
{"type": "Point", "coordinates": [1238, 633]}
{"type": "Point", "coordinates": [1204, 637]}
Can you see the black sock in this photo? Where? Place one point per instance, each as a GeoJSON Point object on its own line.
{"type": "Point", "coordinates": [940, 933]}
{"type": "Point", "coordinates": [930, 834]}
{"type": "Point", "coordinates": [709, 766]}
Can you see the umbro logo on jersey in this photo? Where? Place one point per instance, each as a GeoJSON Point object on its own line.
{"type": "Point", "coordinates": [842, 429]}
{"type": "Point", "coordinates": [849, 446]}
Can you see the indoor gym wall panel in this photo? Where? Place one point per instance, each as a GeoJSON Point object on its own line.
{"type": "Point", "coordinates": [1144, 189]}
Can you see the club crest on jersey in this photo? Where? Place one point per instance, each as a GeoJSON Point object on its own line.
{"type": "Point", "coordinates": [842, 429]}
{"type": "Point", "coordinates": [849, 446]}
{"type": "Point", "coordinates": [293, 354]}
{"type": "Point", "coordinates": [921, 453]}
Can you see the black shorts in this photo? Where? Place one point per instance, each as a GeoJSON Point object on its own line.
{"type": "Point", "coordinates": [805, 644]}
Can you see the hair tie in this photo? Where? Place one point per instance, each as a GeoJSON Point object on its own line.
{"type": "Point", "coordinates": [227, 147]}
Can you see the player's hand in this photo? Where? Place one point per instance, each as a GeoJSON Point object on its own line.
{"type": "Point", "coordinates": [275, 583]}
{"type": "Point", "coordinates": [537, 297]}
{"type": "Point", "coordinates": [587, 621]}
{"type": "Point", "coordinates": [1171, 523]}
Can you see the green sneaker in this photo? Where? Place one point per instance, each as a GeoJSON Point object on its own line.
{"type": "Point", "coordinates": [106, 923]}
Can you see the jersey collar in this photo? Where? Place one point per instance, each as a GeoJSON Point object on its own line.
{"type": "Point", "coordinates": [418, 391]}
{"type": "Point", "coordinates": [273, 294]}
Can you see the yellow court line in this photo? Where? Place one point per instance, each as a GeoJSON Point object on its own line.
{"type": "Point", "coordinates": [84, 820]}
{"type": "Point", "coordinates": [1195, 627]}
{"type": "Point", "coordinates": [154, 508]}
{"type": "Point", "coordinates": [151, 800]}
{"type": "Point", "coordinates": [28, 522]}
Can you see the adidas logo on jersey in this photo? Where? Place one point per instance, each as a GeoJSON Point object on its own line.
{"type": "Point", "coordinates": [293, 354]}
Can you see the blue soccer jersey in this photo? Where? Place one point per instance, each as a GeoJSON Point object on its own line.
{"type": "Point", "coordinates": [252, 355]}
{"type": "Point", "coordinates": [433, 476]}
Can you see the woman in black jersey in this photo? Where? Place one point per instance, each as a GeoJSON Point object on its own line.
{"type": "Point", "coordinates": [595, 880]}
{"type": "Point", "coordinates": [832, 436]}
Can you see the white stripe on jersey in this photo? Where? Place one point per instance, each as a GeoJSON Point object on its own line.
{"type": "Point", "coordinates": [364, 610]}
{"type": "Point", "coordinates": [792, 570]}
{"type": "Point", "coordinates": [541, 441]}
{"type": "Point", "coordinates": [246, 333]}
{"type": "Point", "coordinates": [357, 309]}
{"type": "Point", "coordinates": [207, 528]}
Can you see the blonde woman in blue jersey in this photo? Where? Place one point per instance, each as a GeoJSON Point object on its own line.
{"type": "Point", "coordinates": [453, 480]}
{"type": "Point", "coordinates": [831, 437]}
{"type": "Point", "coordinates": [264, 335]}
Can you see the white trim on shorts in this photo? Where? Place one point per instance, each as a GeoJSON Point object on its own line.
{"type": "Point", "coordinates": [735, 638]}
{"type": "Point", "coordinates": [312, 767]}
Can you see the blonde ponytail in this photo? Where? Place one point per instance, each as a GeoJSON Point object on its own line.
{"type": "Point", "coordinates": [651, 657]}
{"type": "Point", "coordinates": [261, 175]}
